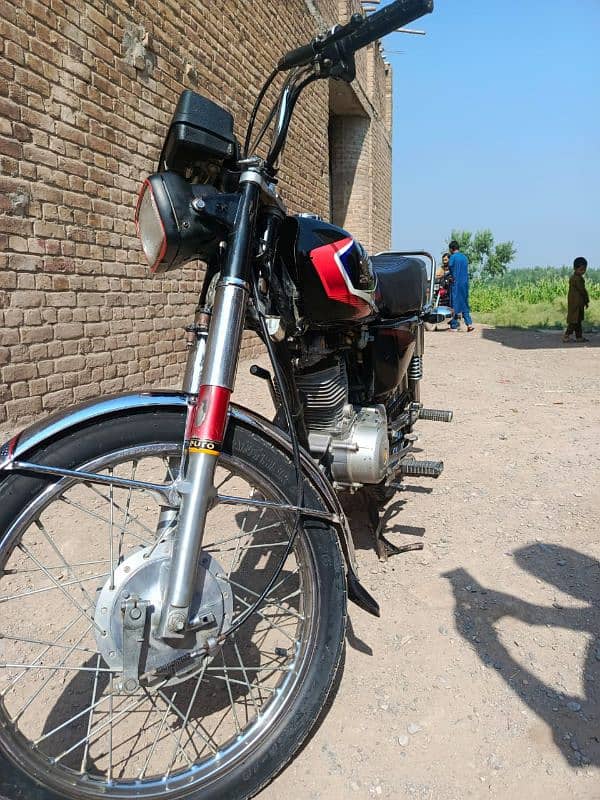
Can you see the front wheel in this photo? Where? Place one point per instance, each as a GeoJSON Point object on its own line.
{"type": "Point", "coordinates": [71, 553]}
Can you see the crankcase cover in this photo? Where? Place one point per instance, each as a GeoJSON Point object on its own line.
{"type": "Point", "coordinates": [363, 456]}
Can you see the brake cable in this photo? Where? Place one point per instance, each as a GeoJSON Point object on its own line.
{"type": "Point", "coordinates": [255, 108]}
{"type": "Point", "coordinates": [280, 381]}
{"type": "Point", "coordinates": [275, 108]}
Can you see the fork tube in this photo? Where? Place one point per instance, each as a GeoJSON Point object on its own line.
{"type": "Point", "coordinates": [206, 423]}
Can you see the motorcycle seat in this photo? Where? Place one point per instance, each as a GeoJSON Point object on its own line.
{"type": "Point", "coordinates": [402, 284]}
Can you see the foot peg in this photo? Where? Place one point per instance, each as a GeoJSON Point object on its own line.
{"type": "Point", "coordinates": [423, 469]}
{"type": "Point", "coordinates": [435, 415]}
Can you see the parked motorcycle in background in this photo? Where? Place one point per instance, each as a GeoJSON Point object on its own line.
{"type": "Point", "coordinates": [175, 568]}
{"type": "Point", "coordinates": [442, 297]}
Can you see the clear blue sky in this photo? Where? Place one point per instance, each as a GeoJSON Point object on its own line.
{"type": "Point", "coordinates": [497, 125]}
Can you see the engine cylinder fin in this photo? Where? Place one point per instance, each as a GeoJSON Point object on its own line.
{"type": "Point", "coordinates": [325, 393]}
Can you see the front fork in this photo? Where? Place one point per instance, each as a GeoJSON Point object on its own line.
{"type": "Point", "coordinates": [207, 418]}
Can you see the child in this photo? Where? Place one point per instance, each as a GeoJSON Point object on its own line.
{"type": "Point", "coordinates": [578, 300]}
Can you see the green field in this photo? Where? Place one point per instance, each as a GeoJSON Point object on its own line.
{"type": "Point", "coordinates": [532, 298]}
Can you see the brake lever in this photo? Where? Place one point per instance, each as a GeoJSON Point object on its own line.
{"type": "Point", "coordinates": [313, 52]}
{"type": "Point", "coordinates": [336, 62]}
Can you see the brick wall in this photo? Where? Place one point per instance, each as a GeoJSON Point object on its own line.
{"type": "Point", "coordinates": [87, 89]}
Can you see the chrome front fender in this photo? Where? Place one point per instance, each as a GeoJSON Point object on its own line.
{"type": "Point", "coordinates": [41, 433]}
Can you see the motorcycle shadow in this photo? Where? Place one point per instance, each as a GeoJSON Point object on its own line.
{"type": "Point", "coordinates": [572, 719]}
{"type": "Point", "coordinates": [360, 510]}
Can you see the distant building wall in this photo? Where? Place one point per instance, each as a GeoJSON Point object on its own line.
{"type": "Point", "coordinates": [87, 89]}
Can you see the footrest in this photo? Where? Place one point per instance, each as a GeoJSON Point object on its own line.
{"type": "Point", "coordinates": [423, 469]}
{"type": "Point", "coordinates": [435, 415]}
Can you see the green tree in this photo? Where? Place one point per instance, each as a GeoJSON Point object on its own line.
{"type": "Point", "coordinates": [486, 259]}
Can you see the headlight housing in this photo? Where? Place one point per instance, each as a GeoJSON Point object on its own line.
{"type": "Point", "coordinates": [170, 230]}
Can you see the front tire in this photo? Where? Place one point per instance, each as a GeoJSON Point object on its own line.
{"type": "Point", "coordinates": [50, 551]}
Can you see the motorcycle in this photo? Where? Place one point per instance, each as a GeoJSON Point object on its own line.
{"type": "Point", "coordinates": [175, 568]}
{"type": "Point", "coordinates": [441, 296]}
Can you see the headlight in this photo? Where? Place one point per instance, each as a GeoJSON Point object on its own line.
{"type": "Point", "coordinates": [150, 228]}
{"type": "Point", "coordinates": [170, 231]}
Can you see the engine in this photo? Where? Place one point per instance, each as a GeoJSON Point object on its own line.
{"type": "Point", "coordinates": [351, 439]}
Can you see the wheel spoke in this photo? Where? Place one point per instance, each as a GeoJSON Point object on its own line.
{"type": "Point", "coordinates": [268, 601]}
{"type": "Point", "coordinates": [245, 674]}
{"type": "Point", "coordinates": [249, 668]}
{"type": "Point", "coordinates": [212, 549]}
{"type": "Point", "coordinates": [56, 566]}
{"type": "Point", "coordinates": [111, 545]}
{"type": "Point", "coordinates": [84, 758]}
{"type": "Point", "coordinates": [110, 730]}
{"type": "Point", "coordinates": [55, 548]}
{"type": "Point", "coordinates": [198, 728]}
{"type": "Point", "coordinates": [15, 680]}
{"type": "Point", "coordinates": [129, 707]}
{"type": "Point", "coordinates": [59, 586]}
{"type": "Point", "coordinates": [225, 480]}
{"type": "Point", "coordinates": [231, 703]}
{"type": "Point", "coordinates": [106, 520]}
{"type": "Point", "coordinates": [161, 726]}
{"type": "Point", "coordinates": [50, 644]}
{"type": "Point", "coordinates": [123, 527]}
{"type": "Point", "coordinates": [169, 706]}
{"type": "Point", "coordinates": [90, 709]}
{"type": "Point", "coordinates": [244, 535]}
{"type": "Point", "coordinates": [55, 585]}
{"type": "Point", "coordinates": [186, 720]}
{"type": "Point", "coordinates": [53, 670]}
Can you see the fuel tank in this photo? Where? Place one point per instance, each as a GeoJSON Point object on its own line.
{"type": "Point", "coordinates": [331, 270]}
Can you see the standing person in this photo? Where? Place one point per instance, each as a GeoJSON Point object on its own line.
{"type": "Point", "coordinates": [442, 270]}
{"type": "Point", "coordinates": [459, 272]}
{"type": "Point", "coordinates": [443, 282]}
{"type": "Point", "coordinates": [578, 300]}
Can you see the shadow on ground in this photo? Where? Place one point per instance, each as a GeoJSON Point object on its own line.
{"type": "Point", "coordinates": [536, 339]}
{"type": "Point", "coordinates": [574, 721]}
{"type": "Point", "coordinates": [357, 509]}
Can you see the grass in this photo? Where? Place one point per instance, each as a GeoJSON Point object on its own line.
{"type": "Point", "coordinates": [532, 298]}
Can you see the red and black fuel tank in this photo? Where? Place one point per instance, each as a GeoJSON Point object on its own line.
{"type": "Point", "coordinates": [330, 269]}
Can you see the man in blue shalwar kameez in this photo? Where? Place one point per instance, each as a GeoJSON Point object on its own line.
{"type": "Point", "coordinates": [459, 271]}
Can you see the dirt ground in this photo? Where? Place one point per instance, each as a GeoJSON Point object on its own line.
{"type": "Point", "coordinates": [482, 676]}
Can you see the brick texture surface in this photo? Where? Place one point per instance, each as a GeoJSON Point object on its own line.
{"type": "Point", "coordinates": [87, 88]}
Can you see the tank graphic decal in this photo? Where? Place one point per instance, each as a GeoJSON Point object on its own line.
{"type": "Point", "coordinates": [332, 263]}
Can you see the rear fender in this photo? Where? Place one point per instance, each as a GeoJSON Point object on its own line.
{"type": "Point", "coordinates": [42, 433]}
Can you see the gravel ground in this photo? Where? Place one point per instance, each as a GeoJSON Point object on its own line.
{"type": "Point", "coordinates": [482, 676]}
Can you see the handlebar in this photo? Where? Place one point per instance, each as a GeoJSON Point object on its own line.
{"type": "Point", "coordinates": [359, 32]}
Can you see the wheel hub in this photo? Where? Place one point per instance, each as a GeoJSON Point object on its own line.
{"type": "Point", "coordinates": [143, 575]}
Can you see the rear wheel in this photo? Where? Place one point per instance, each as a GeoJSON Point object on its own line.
{"type": "Point", "coordinates": [72, 550]}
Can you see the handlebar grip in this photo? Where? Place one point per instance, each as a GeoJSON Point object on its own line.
{"type": "Point", "coordinates": [296, 58]}
{"type": "Point", "coordinates": [378, 25]}
{"type": "Point", "coordinates": [396, 15]}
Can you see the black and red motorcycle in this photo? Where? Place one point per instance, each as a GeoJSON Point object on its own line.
{"type": "Point", "coordinates": [175, 568]}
